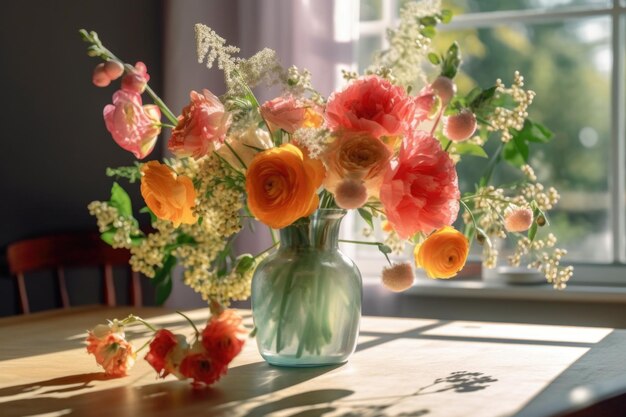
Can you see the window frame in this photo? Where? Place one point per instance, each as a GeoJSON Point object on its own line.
{"type": "Point", "coordinates": [613, 273]}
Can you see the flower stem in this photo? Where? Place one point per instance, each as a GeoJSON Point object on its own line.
{"type": "Point", "coordinates": [243, 164]}
{"type": "Point", "coordinates": [143, 346]}
{"type": "Point", "coordinates": [492, 165]}
{"type": "Point", "coordinates": [432, 131]}
{"type": "Point", "coordinates": [190, 322]}
{"type": "Point", "coordinates": [105, 54]}
{"type": "Point", "coordinates": [157, 100]}
{"type": "Point", "coordinates": [266, 250]}
{"type": "Point", "coordinates": [360, 242]}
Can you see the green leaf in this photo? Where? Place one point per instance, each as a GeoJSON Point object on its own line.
{"type": "Point", "coordinates": [446, 16]}
{"type": "Point", "coordinates": [532, 232]}
{"type": "Point", "coordinates": [483, 99]}
{"type": "Point", "coordinates": [107, 236]}
{"type": "Point", "coordinates": [121, 201]}
{"type": "Point", "coordinates": [429, 31]}
{"type": "Point", "coordinates": [163, 279]}
{"type": "Point", "coordinates": [516, 151]}
{"type": "Point", "coordinates": [470, 149]}
{"type": "Point", "coordinates": [244, 263]}
{"type": "Point", "coordinates": [165, 271]}
{"type": "Point", "coordinates": [185, 239]}
{"type": "Point", "coordinates": [366, 216]}
{"type": "Point", "coordinates": [451, 61]}
{"type": "Point", "coordinates": [504, 100]}
{"type": "Point", "coordinates": [473, 94]}
{"type": "Point", "coordinates": [384, 249]}
{"type": "Point", "coordinates": [434, 58]}
{"type": "Point", "coordinates": [428, 21]}
{"type": "Point", "coordinates": [535, 132]}
{"type": "Point", "coordinates": [163, 290]}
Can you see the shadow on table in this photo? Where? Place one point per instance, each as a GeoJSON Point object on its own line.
{"type": "Point", "coordinates": [162, 397]}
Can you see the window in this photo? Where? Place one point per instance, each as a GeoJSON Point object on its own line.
{"type": "Point", "coordinates": [571, 52]}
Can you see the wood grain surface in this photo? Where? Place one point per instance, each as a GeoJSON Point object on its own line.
{"type": "Point", "coordinates": [402, 367]}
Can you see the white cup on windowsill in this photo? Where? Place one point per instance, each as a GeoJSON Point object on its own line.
{"type": "Point", "coordinates": [513, 275]}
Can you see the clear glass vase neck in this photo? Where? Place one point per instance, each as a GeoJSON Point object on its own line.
{"type": "Point", "coordinates": [320, 231]}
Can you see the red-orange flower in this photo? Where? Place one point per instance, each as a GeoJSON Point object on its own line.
{"type": "Point", "coordinates": [202, 368]}
{"type": "Point", "coordinates": [222, 336]}
{"type": "Point", "coordinates": [163, 343]}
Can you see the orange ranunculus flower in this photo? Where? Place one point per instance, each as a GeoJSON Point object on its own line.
{"type": "Point", "coordinates": [443, 253]}
{"type": "Point", "coordinates": [357, 156]}
{"type": "Point", "coordinates": [281, 184]}
{"type": "Point", "coordinates": [169, 196]}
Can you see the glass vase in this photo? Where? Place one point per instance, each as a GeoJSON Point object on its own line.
{"type": "Point", "coordinates": [306, 296]}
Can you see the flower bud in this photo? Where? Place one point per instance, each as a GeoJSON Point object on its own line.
{"type": "Point", "coordinates": [113, 70]}
{"type": "Point", "coordinates": [136, 80]}
{"type": "Point", "coordinates": [518, 220]}
{"type": "Point", "coordinates": [541, 220]}
{"type": "Point", "coordinates": [461, 126]}
{"type": "Point", "coordinates": [350, 194]}
{"type": "Point", "coordinates": [100, 78]}
{"type": "Point", "coordinates": [398, 277]}
{"type": "Point", "coordinates": [445, 89]}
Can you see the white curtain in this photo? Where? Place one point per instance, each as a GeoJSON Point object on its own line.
{"type": "Point", "coordinates": [315, 34]}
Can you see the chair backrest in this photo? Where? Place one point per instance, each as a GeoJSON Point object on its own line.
{"type": "Point", "coordinates": [69, 250]}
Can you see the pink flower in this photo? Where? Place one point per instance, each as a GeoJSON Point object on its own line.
{"type": "Point", "coordinates": [203, 124]}
{"type": "Point", "coordinates": [113, 353]}
{"type": "Point", "coordinates": [370, 104]}
{"type": "Point", "coordinates": [134, 127]}
{"type": "Point", "coordinates": [426, 104]}
{"type": "Point", "coordinates": [284, 113]}
{"type": "Point", "coordinates": [421, 193]}
{"type": "Point", "coordinates": [136, 81]}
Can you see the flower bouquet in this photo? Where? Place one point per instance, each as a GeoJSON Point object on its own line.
{"type": "Point", "coordinates": [385, 145]}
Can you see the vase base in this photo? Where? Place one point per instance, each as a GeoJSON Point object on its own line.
{"type": "Point", "coordinates": [304, 362]}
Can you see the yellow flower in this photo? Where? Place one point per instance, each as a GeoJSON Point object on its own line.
{"type": "Point", "coordinates": [170, 197]}
{"type": "Point", "coordinates": [282, 184]}
{"type": "Point", "coordinates": [443, 253]}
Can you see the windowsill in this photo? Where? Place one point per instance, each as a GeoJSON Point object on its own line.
{"type": "Point", "coordinates": [481, 289]}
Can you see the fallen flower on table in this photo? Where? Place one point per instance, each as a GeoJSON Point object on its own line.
{"type": "Point", "coordinates": [204, 360]}
{"type": "Point", "coordinates": [113, 353]}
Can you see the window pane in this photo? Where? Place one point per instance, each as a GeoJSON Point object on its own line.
{"type": "Point", "coordinates": [622, 113]}
{"type": "Point", "coordinates": [366, 47]}
{"type": "Point", "coordinates": [371, 10]}
{"type": "Point", "coordinates": [475, 6]}
{"type": "Point", "coordinates": [568, 64]}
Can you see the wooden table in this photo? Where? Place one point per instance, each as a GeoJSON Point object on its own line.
{"type": "Point", "coordinates": [402, 367]}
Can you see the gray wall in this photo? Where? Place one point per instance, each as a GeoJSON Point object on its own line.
{"type": "Point", "coordinates": [55, 147]}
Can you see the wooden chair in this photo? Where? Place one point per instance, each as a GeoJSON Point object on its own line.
{"type": "Point", "coordinates": [69, 250]}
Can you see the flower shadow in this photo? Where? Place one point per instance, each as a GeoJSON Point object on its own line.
{"type": "Point", "coordinates": [244, 383]}
{"type": "Point", "coordinates": [75, 382]}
